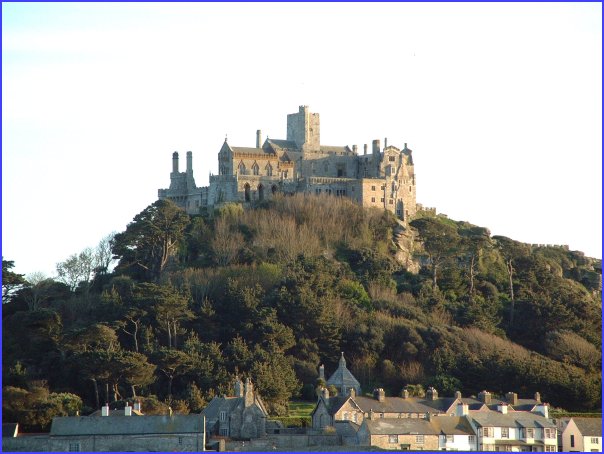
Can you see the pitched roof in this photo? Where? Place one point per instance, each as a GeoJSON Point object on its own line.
{"type": "Point", "coordinates": [393, 405]}
{"type": "Point", "coordinates": [342, 377]}
{"type": "Point", "coordinates": [404, 426]}
{"type": "Point", "coordinates": [511, 419]}
{"type": "Point", "coordinates": [125, 425]}
{"type": "Point", "coordinates": [212, 411]}
{"type": "Point", "coordinates": [589, 427]}
{"type": "Point", "coordinates": [283, 144]}
{"type": "Point", "coordinates": [452, 425]}
{"type": "Point", "coordinates": [336, 149]}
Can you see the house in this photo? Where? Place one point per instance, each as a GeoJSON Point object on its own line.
{"type": "Point", "coordinates": [582, 435]}
{"type": "Point", "coordinates": [342, 378]}
{"type": "Point", "coordinates": [401, 434]}
{"type": "Point", "coordinates": [127, 433]}
{"type": "Point", "coordinates": [241, 416]}
{"type": "Point", "coordinates": [455, 433]}
{"type": "Point", "coordinates": [507, 430]}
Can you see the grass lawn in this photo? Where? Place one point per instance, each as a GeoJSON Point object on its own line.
{"type": "Point", "coordinates": [299, 408]}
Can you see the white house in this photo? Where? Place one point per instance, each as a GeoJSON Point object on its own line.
{"type": "Point", "coordinates": [582, 435]}
{"type": "Point", "coordinates": [504, 430]}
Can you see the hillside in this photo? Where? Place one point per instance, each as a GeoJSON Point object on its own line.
{"type": "Point", "coordinates": [275, 290]}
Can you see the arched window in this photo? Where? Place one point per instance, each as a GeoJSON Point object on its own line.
{"type": "Point", "coordinates": [260, 192]}
{"type": "Point", "coordinates": [241, 168]}
{"type": "Point", "coordinates": [274, 189]}
{"type": "Point", "coordinates": [269, 169]}
{"type": "Point", "coordinates": [255, 169]}
{"type": "Point", "coordinates": [247, 192]}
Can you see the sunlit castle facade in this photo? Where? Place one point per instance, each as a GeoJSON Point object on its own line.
{"type": "Point", "coordinates": [382, 177]}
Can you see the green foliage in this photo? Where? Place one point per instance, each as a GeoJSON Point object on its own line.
{"type": "Point", "coordinates": [297, 421]}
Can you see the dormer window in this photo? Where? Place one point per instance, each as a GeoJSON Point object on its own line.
{"type": "Point", "coordinates": [223, 416]}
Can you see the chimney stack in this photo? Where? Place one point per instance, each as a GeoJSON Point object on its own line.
{"type": "Point", "coordinates": [385, 142]}
{"type": "Point", "coordinates": [105, 410]}
{"type": "Point", "coordinates": [379, 394]}
{"type": "Point", "coordinates": [325, 393]}
{"type": "Point", "coordinates": [354, 149]}
{"type": "Point", "coordinates": [137, 406]}
{"type": "Point", "coordinates": [431, 394]}
{"type": "Point", "coordinates": [538, 397]}
{"type": "Point", "coordinates": [365, 149]}
{"type": "Point", "coordinates": [484, 397]}
{"type": "Point", "coordinates": [322, 372]}
{"type": "Point", "coordinates": [371, 414]}
{"type": "Point", "coordinates": [258, 138]}
{"type": "Point", "coordinates": [405, 394]}
{"type": "Point", "coordinates": [458, 394]}
{"type": "Point", "coordinates": [352, 392]}
{"type": "Point", "coordinates": [512, 398]}
{"type": "Point", "coordinates": [127, 410]}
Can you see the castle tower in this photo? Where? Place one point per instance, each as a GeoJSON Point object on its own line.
{"type": "Point", "coordinates": [303, 128]}
{"type": "Point", "coordinates": [175, 162]}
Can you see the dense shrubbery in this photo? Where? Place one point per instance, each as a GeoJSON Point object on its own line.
{"type": "Point", "coordinates": [274, 291]}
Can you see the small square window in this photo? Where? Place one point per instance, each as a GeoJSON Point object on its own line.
{"type": "Point", "coordinates": [373, 199]}
{"type": "Point", "coordinates": [373, 188]}
{"type": "Point", "coordinates": [74, 447]}
{"type": "Point", "coordinates": [419, 439]}
{"type": "Point", "coordinates": [392, 438]}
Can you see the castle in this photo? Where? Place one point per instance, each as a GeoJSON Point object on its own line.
{"type": "Point", "coordinates": [383, 178]}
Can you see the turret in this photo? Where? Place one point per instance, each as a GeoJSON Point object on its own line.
{"type": "Point", "coordinates": [189, 162]}
{"type": "Point", "coordinates": [175, 162]}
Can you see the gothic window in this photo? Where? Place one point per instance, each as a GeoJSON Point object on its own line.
{"type": "Point", "coordinates": [255, 169]}
{"type": "Point", "coordinates": [269, 170]}
{"type": "Point", "coordinates": [260, 192]}
{"type": "Point", "coordinates": [247, 192]}
{"type": "Point", "coordinates": [241, 168]}
{"type": "Point", "coordinates": [223, 416]}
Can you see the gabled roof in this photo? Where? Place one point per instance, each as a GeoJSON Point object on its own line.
{"type": "Point", "coordinates": [212, 411]}
{"type": "Point", "coordinates": [452, 425]}
{"type": "Point", "coordinates": [342, 377]}
{"type": "Point", "coordinates": [335, 149]}
{"type": "Point", "coordinates": [511, 419]}
{"type": "Point", "coordinates": [125, 425]}
{"type": "Point", "coordinates": [444, 404]}
{"type": "Point", "coordinates": [404, 426]}
{"type": "Point", "coordinates": [589, 427]}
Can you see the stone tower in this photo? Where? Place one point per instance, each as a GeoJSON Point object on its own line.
{"type": "Point", "coordinates": [303, 128]}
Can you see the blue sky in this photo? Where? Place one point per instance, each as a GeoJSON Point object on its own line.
{"type": "Point", "coordinates": [501, 103]}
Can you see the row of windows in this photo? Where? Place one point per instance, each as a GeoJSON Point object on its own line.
{"type": "Point", "coordinates": [255, 169]}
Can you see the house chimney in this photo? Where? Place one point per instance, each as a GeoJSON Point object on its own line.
{"type": "Point", "coordinates": [458, 394]}
{"type": "Point", "coordinates": [461, 409]}
{"type": "Point", "coordinates": [379, 394]}
{"type": "Point", "coordinates": [365, 149]}
{"type": "Point", "coordinates": [238, 387]}
{"type": "Point", "coordinates": [431, 394]}
{"type": "Point", "coordinates": [354, 149]}
{"type": "Point", "coordinates": [248, 395]}
{"type": "Point", "coordinates": [137, 406]}
{"type": "Point", "coordinates": [405, 394]}
{"type": "Point", "coordinates": [127, 410]}
{"type": "Point", "coordinates": [258, 138]}
{"type": "Point", "coordinates": [371, 414]}
{"type": "Point", "coordinates": [352, 392]}
{"type": "Point", "coordinates": [105, 410]}
{"type": "Point", "coordinates": [325, 393]}
{"type": "Point", "coordinates": [502, 408]}
{"type": "Point", "coordinates": [484, 397]}
{"type": "Point", "coordinates": [512, 398]}
{"type": "Point", "coordinates": [385, 142]}
{"type": "Point", "coordinates": [322, 372]}
{"type": "Point", "coordinates": [538, 397]}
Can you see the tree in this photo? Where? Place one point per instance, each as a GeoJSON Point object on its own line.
{"type": "Point", "coordinates": [150, 239]}
{"type": "Point", "coordinates": [440, 242]}
{"type": "Point", "coordinates": [10, 280]}
{"type": "Point", "coordinates": [510, 250]}
{"type": "Point", "coordinates": [473, 241]}
{"type": "Point", "coordinates": [172, 363]}
{"type": "Point", "coordinates": [77, 268]}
